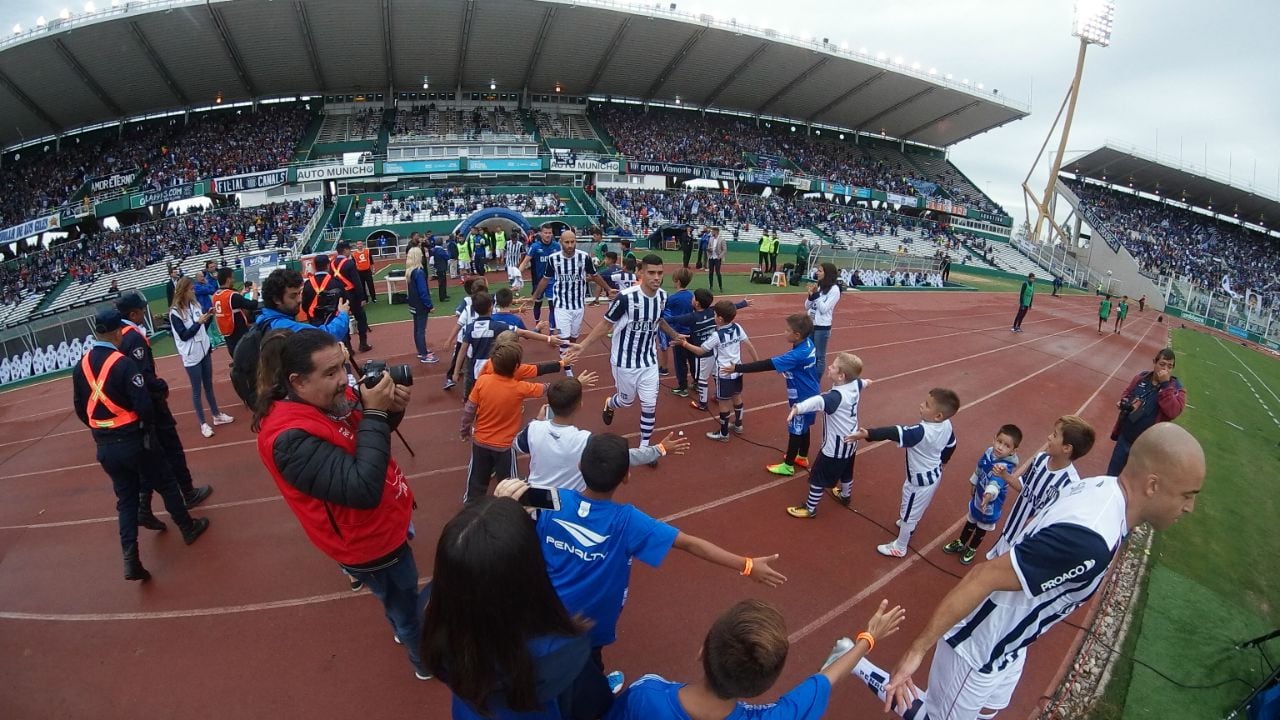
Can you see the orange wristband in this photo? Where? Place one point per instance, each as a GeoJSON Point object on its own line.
{"type": "Point", "coordinates": [746, 570]}
{"type": "Point", "coordinates": [871, 640]}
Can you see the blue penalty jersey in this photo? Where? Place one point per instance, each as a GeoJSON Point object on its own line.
{"type": "Point", "coordinates": [653, 697]}
{"type": "Point", "coordinates": [984, 478]}
{"type": "Point", "coordinates": [589, 545]}
{"type": "Point", "coordinates": [799, 366]}
{"type": "Point", "coordinates": [510, 318]}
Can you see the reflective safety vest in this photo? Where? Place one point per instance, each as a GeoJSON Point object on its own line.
{"type": "Point", "coordinates": [341, 268]}
{"type": "Point", "coordinates": [362, 259]}
{"type": "Point", "coordinates": [225, 314]}
{"type": "Point", "coordinates": [119, 416]}
{"type": "Point", "coordinates": [310, 310]}
{"type": "Point", "coordinates": [500, 242]}
{"type": "Point", "coordinates": [131, 329]}
{"type": "Point", "coordinates": [464, 250]}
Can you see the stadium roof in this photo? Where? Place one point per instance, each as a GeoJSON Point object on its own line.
{"type": "Point", "coordinates": [1141, 172]}
{"type": "Point", "coordinates": [136, 57]}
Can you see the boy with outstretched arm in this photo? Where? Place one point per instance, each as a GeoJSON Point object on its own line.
{"type": "Point", "coordinates": [929, 445]}
{"type": "Point", "coordinates": [742, 656]}
{"type": "Point", "coordinates": [725, 344]}
{"type": "Point", "coordinates": [799, 366]}
{"type": "Point", "coordinates": [590, 542]}
{"type": "Point", "coordinates": [478, 336]}
{"type": "Point", "coordinates": [990, 481]}
{"type": "Point", "coordinates": [555, 444]}
{"type": "Point", "coordinates": [839, 405]}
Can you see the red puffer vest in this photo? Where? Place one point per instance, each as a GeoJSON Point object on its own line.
{"type": "Point", "coordinates": [348, 535]}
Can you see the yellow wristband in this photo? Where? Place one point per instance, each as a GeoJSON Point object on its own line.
{"type": "Point", "coordinates": [871, 640]}
{"type": "Point", "coordinates": [746, 570]}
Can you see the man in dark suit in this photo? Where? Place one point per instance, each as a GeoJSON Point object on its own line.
{"type": "Point", "coordinates": [175, 273]}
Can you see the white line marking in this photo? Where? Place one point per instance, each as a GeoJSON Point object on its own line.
{"type": "Point", "coordinates": [1233, 424]}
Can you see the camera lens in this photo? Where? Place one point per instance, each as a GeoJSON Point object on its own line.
{"type": "Point", "coordinates": [401, 374]}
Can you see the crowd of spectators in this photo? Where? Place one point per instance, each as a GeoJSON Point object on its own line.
{"type": "Point", "coordinates": [652, 208]}
{"type": "Point", "coordinates": [229, 143]}
{"type": "Point", "coordinates": [172, 239]}
{"type": "Point", "coordinates": [1168, 240]}
{"type": "Point", "coordinates": [427, 122]}
{"type": "Point", "coordinates": [167, 152]}
{"type": "Point", "coordinates": [710, 139]}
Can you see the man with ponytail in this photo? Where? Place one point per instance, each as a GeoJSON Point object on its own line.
{"type": "Point", "coordinates": [329, 452]}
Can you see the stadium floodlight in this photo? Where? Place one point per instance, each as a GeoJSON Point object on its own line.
{"type": "Point", "coordinates": [933, 71]}
{"type": "Point", "coordinates": [862, 50]}
{"type": "Point", "coordinates": [1093, 21]}
{"type": "Point", "coordinates": [90, 7]}
{"type": "Point", "coordinates": [897, 59]}
{"type": "Point", "coordinates": [115, 3]}
{"type": "Point", "coordinates": [40, 22]}
{"type": "Point", "coordinates": [980, 86]}
{"type": "Point", "coordinates": [65, 14]}
{"type": "Point", "coordinates": [1092, 25]}
{"type": "Point", "coordinates": [493, 84]}
{"type": "Point", "coordinates": [950, 76]}
{"type": "Point", "coordinates": [17, 29]}
{"type": "Point", "coordinates": [915, 65]}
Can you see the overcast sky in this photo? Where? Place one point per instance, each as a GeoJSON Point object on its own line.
{"type": "Point", "coordinates": [1183, 78]}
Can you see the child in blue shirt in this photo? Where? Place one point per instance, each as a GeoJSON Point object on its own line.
{"type": "Point", "coordinates": [799, 366]}
{"type": "Point", "coordinates": [503, 300]}
{"type": "Point", "coordinates": [990, 485]}
{"type": "Point", "coordinates": [590, 542]}
{"type": "Point", "coordinates": [742, 656]}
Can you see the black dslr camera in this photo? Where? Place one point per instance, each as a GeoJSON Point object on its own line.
{"type": "Point", "coordinates": [371, 373]}
{"type": "Point", "coordinates": [1126, 405]}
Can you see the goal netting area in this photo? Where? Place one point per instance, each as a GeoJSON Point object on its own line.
{"type": "Point", "coordinates": [49, 344]}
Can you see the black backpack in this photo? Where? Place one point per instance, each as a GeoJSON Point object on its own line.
{"type": "Point", "coordinates": [244, 363]}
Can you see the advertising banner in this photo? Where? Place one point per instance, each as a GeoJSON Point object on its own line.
{"type": "Point", "coordinates": [258, 266]}
{"type": "Point", "coordinates": [1238, 331]}
{"type": "Point", "coordinates": [862, 193]}
{"type": "Point", "coordinates": [335, 172]}
{"type": "Point", "coordinates": [590, 163]}
{"type": "Point", "coordinates": [29, 228]}
{"type": "Point", "coordinates": [114, 181]}
{"type": "Point", "coordinates": [406, 167]}
{"type": "Point", "coordinates": [167, 195]}
{"type": "Point", "coordinates": [504, 164]}
{"type": "Point", "coordinates": [906, 200]}
{"type": "Point", "coordinates": [250, 181]}
{"type": "Point", "coordinates": [663, 168]}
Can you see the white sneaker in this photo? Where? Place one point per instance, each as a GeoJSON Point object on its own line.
{"type": "Point", "coordinates": [205, 430]}
{"type": "Point", "coordinates": [222, 419]}
{"type": "Point", "coordinates": [891, 550]}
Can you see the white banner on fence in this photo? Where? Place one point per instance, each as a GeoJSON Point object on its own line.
{"type": "Point", "coordinates": [335, 172]}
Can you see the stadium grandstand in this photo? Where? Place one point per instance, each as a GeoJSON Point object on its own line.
{"type": "Point", "coordinates": [151, 135]}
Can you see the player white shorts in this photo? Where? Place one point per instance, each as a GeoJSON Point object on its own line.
{"type": "Point", "coordinates": [958, 691]}
{"type": "Point", "coordinates": [568, 322]}
{"type": "Point", "coordinates": [515, 278]}
{"type": "Point", "coordinates": [915, 500]}
{"type": "Point", "coordinates": [636, 383]}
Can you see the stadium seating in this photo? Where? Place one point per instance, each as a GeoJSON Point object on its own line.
{"type": "Point", "coordinates": [139, 255]}
{"type": "Point", "coordinates": [1168, 240]}
{"type": "Point", "coordinates": [450, 206]}
{"type": "Point", "coordinates": [430, 124]}
{"type": "Point", "coordinates": [567, 126]}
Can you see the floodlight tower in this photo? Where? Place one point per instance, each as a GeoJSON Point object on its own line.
{"type": "Point", "coordinates": [1093, 19]}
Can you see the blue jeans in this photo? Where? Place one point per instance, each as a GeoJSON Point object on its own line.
{"type": "Point", "coordinates": [1119, 456]}
{"type": "Point", "coordinates": [420, 332]}
{"type": "Point", "coordinates": [820, 337]}
{"type": "Point", "coordinates": [202, 375]}
{"type": "Point", "coordinates": [397, 587]}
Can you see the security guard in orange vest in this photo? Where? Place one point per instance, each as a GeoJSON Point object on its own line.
{"type": "Point", "coordinates": [135, 346]}
{"type": "Point", "coordinates": [314, 290]}
{"type": "Point", "coordinates": [364, 266]}
{"type": "Point", "coordinates": [111, 398]}
{"type": "Point", "coordinates": [344, 269]}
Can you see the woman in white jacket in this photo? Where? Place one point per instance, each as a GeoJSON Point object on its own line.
{"type": "Point", "coordinates": [821, 305]}
{"type": "Point", "coordinates": [191, 335]}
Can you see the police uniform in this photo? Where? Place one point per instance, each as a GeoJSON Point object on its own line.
{"type": "Point", "coordinates": [135, 346]}
{"type": "Point", "coordinates": [111, 398]}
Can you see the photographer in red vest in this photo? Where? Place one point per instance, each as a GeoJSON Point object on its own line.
{"type": "Point", "coordinates": [232, 310]}
{"type": "Point", "coordinates": [329, 452]}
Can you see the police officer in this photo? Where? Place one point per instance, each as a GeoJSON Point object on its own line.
{"type": "Point", "coordinates": [111, 398]}
{"type": "Point", "coordinates": [135, 346]}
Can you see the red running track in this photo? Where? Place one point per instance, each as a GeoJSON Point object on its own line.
{"type": "Point", "coordinates": [253, 621]}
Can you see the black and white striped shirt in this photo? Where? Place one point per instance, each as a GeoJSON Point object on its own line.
{"type": "Point", "coordinates": [515, 251]}
{"type": "Point", "coordinates": [1060, 560]}
{"type": "Point", "coordinates": [570, 273]}
{"type": "Point", "coordinates": [1040, 489]}
{"type": "Point", "coordinates": [840, 408]}
{"type": "Point", "coordinates": [635, 318]}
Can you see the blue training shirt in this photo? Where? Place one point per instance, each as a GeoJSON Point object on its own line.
{"type": "Point", "coordinates": [679, 303]}
{"type": "Point", "coordinates": [799, 366]}
{"type": "Point", "coordinates": [589, 545]}
{"type": "Point", "coordinates": [653, 697]}
{"type": "Point", "coordinates": [509, 318]}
